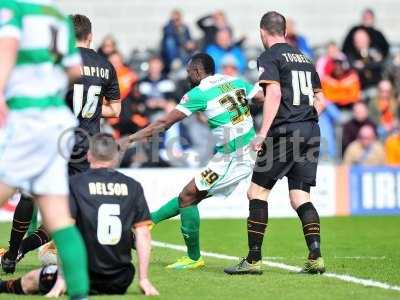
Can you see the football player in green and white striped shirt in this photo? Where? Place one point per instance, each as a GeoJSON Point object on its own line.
{"type": "Point", "coordinates": [223, 99]}
{"type": "Point", "coordinates": [38, 54]}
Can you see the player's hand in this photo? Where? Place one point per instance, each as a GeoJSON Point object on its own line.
{"type": "Point", "coordinates": [3, 110]}
{"type": "Point", "coordinates": [257, 143]}
{"type": "Point", "coordinates": [147, 288]}
{"type": "Point", "coordinates": [58, 289]}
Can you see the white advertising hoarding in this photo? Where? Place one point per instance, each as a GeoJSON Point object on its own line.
{"type": "Point", "coordinates": [160, 185]}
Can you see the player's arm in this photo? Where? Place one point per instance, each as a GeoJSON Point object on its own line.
{"type": "Point", "coordinates": [319, 99]}
{"type": "Point", "coordinates": [272, 100]}
{"type": "Point", "coordinates": [319, 102]}
{"type": "Point", "coordinates": [8, 49]}
{"type": "Point", "coordinates": [10, 33]}
{"type": "Point", "coordinates": [72, 61]}
{"type": "Point", "coordinates": [270, 82]}
{"type": "Point", "coordinates": [160, 125]}
{"type": "Point", "coordinates": [143, 241]}
{"type": "Point", "coordinates": [111, 108]}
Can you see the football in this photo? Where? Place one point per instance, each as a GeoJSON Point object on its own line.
{"type": "Point", "coordinates": [48, 254]}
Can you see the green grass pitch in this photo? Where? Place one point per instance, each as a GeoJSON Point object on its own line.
{"type": "Point", "coordinates": [364, 247]}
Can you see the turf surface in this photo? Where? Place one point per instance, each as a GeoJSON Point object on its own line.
{"type": "Point", "coordinates": [364, 247]}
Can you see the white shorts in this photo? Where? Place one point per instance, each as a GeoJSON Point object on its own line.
{"type": "Point", "coordinates": [35, 147]}
{"type": "Point", "coordinates": [224, 173]}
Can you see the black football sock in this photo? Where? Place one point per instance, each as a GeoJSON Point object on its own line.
{"type": "Point", "coordinates": [12, 286]}
{"type": "Point", "coordinates": [311, 228]}
{"type": "Point", "coordinates": [22, 219]}
{"type": "Point", "coordinates": [35, 240]}
{"type": "Point", "coordinates": [256, 225]}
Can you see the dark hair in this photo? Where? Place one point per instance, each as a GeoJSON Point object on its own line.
{"type": "Point", "coordinates": [205, 61]}
{"type": "Point", "coordinates": [82, 26]}
{"type": "Point", "coordinates": [274, 23]}
{"type": "Point", "coordinates": [103, 147]}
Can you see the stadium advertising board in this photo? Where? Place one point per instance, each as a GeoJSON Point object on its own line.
{"type": "Point", "coordinates": [374, 190]}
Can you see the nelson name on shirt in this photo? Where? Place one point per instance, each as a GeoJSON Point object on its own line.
{"type": "Point", "coordinates": [108, 189]}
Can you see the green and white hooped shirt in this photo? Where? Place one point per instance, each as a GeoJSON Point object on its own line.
{"type": "Point", "coordinates": [223, 99]}
{"type": "Point", "coordinates": [46, 46]}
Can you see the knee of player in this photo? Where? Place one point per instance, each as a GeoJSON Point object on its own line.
{"type": "Point", "coordinates": [257, 193]}
{"type": "Point", "coordinates": [185, 199]}
{"type": "Point", "coordinates": [30, 282]}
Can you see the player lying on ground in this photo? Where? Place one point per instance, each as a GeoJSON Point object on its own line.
{"type": "Point", "coordinates": [34, 71]}
{"type": "Point", "coordinates": [287, 143]}
{"type": "Point", "coordinates": [93, 96]}
{"type": "Point", "coordinates": [223, 99]}
{"type": "Point", "coordinates": [106, 206]}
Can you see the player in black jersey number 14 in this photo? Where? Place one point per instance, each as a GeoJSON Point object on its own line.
{"type": "Point", "coordinates": [287, 143]}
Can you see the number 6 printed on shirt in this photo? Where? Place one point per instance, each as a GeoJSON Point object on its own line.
{"type": "Point", "coordinates": [109, 226]}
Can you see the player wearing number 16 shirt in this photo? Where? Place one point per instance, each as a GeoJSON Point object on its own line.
{"type": "Point", "coordinates": [95, 95]}
{"type": "Point", "coordinates": [287, 143]}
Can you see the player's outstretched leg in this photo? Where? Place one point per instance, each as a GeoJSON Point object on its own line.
{"type": "Point", "coordinates": [167, 211]}
{"type": "Point", "coordinates": [190, 227]}
{"type": "Point", "coordinates": [256, 226]}
{"type": "Point", "coordinates": [21, 220]}
{"type": "Point", "coordinates": [33, 241]}
{"type": "Point", "coordinates": [300, 201]}
{"type": "Point", "coordinates": [69, 243]}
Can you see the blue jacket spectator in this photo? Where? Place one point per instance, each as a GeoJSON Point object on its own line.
{"type": "Point", "coordinates": [176, 42]}
{"type": "Point", "coordinates": [224, 48]}
{"type": "Point", "coordinates": [296, 40]}
{"type": "Point", "coordinates": [327, 123]}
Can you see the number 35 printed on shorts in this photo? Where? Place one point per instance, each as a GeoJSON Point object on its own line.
{"type": "Point", "coordinates": [209, 176]}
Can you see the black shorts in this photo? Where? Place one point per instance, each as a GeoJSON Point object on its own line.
{"type": "Point", "coordinates": [116, 284]}
{"type": "Point", "coordinates": [290, 150]}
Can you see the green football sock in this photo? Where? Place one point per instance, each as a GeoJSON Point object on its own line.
{"type": "Point", "coordinates": [72, 253]}
{"type": "Point", "coordinates": [167, 211]}
{"type": "Point", "coordinates": [190, 226]}
{"type": "Point", "coordinates": [34, 223]}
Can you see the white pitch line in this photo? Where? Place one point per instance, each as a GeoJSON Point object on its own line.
{"type": "Point", "coordinates": [343, 277]}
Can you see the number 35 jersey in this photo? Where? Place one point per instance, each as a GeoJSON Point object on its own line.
{"type": "Point", "coordinates": [295, 73]}
{"type": "Point", "coordinates": [106, 205]}
{"type": "Point", "coordinates": [223, 99]}
{"type": "Point", "coordinates": [98, 81]}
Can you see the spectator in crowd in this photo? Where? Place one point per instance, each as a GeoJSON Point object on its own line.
{"type": "Point", "coordinates": [393, 73]}
{"type": "Point", "coordinates": [127, 80]}
{"type": "Point", "coordinates": [223, 48]}
{"type": "Point", "coordinates": [297, 40]}
{"type": "Point", "coordinates": [383, 109]}
{"type": "Point", "coordinates": [177, 44]}
{"type": "Point", "coordinates": [326, 62]}
{"type": "Point", "coordinates": [230, 66]}
{"type": "Point", "coordinates": [211, 24]}
{"type": "Point", "coordinates": [367, 60]}
{"type": "Point", "coordinates": [328, 119]}
{"type": "Point", "coordinates": [352, 127]}
{"type": "Point", "coordinates": [365, 150]}
{"type": "Point", "coordinates": [378, 40]}
{"type": "Point", "coordinates": [107, 46]}
{"type": "Point", "coordinates": [156, 88]}
{"type": "Point", "coordinates": [392, 149]}
{"type": "Point", "coordinates": [342, 85]}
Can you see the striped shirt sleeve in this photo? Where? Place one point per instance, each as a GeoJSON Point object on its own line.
{"type": "Point", "coordinates": [191, 102]}
{"type": "Point", "coordinates": [73, 57]}
{"type": "Point", "coordinates": [10, 20]}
